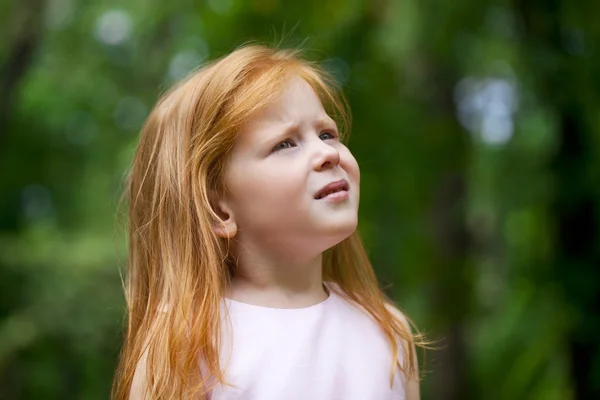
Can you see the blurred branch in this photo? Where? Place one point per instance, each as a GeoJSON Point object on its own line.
{"type": "Point", "coordinates": [22, 47]}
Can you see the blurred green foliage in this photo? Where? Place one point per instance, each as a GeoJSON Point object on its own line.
{"type": "Point", "coordinates": [476, 126]}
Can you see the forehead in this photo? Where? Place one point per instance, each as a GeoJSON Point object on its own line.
{"type": "Point", "coordinates": [296, 106]}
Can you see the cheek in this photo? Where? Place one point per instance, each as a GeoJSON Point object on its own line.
{"type": "Point", "coordinates": [266, 186]}
{"type": "Point", "coordinates": [350, 164]}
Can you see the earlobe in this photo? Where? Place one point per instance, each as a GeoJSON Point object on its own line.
{"type": "Point", "coordinates": [226, 227]}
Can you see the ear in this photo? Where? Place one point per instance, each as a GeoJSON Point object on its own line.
{"type": "Point", "coordinates": [227, 228]}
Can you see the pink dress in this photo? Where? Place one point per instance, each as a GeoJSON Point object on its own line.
{"type": "Point", "coordinates": [332, 350]}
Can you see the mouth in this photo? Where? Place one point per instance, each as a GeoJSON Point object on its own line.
{"type": "Point", "coordinates": [334, 187]}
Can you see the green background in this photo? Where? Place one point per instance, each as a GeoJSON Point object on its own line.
{"type": "Point", "coordinates": [476, 126]}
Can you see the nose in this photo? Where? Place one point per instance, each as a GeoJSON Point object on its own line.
{"type": "Point", "coordinates": [326, 156]}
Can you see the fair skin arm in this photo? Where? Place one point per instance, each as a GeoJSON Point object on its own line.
{"type": "Point", "coordinates": [139, 384]}
{"type": "Point", "coordinates": [413, 391]}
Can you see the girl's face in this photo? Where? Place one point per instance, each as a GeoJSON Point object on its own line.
{"type": "Point", "coordinates": [283, 157]}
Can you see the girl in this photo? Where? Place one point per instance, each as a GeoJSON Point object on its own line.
{"type": "Point", "coordinates": [247, 278]}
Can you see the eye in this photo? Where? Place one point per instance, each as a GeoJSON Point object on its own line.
{"type": "Point", "coordinates": [331, 135]}
{"type": "Point", "coordinates": [286, 144]}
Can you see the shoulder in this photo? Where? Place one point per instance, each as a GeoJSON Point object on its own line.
{"type": "Point", "coordinates": [404, 339]}
{"type": "Point", "coordinates": [139, 384]}
{"type": "Point", "coordinates": [139, 389]}
{"type": "Point", "coordinates": [399, 315]}
{"type": "Point", "coordinates": [412, 385]}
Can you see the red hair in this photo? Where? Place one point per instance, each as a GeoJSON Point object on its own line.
{"type": "Point", "coordinates": [176, 258]}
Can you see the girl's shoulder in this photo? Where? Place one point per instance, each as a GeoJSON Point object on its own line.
{"type": "Point", "coordinates": [399, 315]}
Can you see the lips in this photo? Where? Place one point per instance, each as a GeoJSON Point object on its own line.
{"type": "Point", "coordinates": [332, 188]}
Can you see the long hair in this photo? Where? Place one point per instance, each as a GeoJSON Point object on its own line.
{"type": "Point", "coordinates": [176, 261]}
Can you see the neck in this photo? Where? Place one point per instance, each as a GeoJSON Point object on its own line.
{"type": "Point", "coordinates": [277, 280]}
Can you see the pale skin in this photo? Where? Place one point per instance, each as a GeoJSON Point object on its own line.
{"type": "Point", "coordinates": [282, 157]}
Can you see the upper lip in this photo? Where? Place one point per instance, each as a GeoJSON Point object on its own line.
{"type": "Point", "coordinates": [336, 186]}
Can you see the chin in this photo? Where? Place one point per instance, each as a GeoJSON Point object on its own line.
{"type": "Point", "coordinates": [334, 243]}
{"type": "Point", "coordinates": [337, 234]}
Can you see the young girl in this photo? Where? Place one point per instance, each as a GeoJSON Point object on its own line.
{"type": "Point", "coordinates": [247, 278]}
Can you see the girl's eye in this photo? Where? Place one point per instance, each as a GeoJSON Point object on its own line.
{"type": "Point", "coordinates": [331, 135]}
{"type": "Point", "coordinates": [286, 144]}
